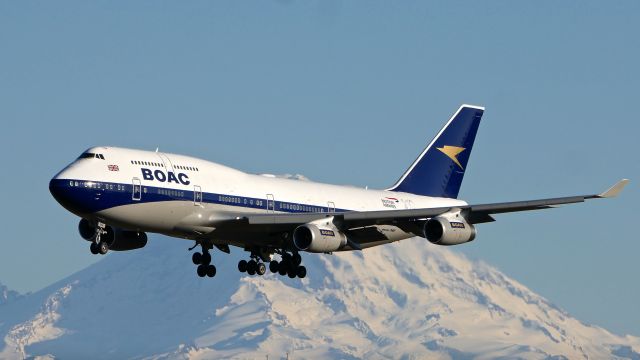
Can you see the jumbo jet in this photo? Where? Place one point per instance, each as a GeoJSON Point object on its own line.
{"type": "Point", "coordinates": [122, 194]}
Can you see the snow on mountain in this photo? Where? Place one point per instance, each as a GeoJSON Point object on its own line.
{"type": "Point", "coordinates": [406, 300]}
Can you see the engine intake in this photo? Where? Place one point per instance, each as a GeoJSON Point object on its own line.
{"type": "Point", "coordinates": [319, 237]}
{"type": "Point", "coordinates": [87, 230]}
{"type": "Point", "coordinates": [448, 230]}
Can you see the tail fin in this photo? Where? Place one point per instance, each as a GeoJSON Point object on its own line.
{"type": "Point", "coordinates": [439, 169]}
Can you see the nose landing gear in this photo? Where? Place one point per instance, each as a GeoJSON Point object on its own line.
{"type": "Point", "coordinates": [99, 245]}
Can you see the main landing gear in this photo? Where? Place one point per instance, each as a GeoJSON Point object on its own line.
{"type": "Point", "coordinates": [252, 267]}
{"type": "Point", "coordinates": [290, 265]}
{"type": "Point", "coordinates": [203, 260]}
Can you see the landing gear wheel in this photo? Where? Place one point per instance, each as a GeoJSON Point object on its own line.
{"type": "Point", "coordinates": [297, 259]}
{"type": "Point", "coordinates": [103, 247]}
{"type": "Point", "coordinates": [94, 248]}
{"type": "Point", "coordinates": [273, 266]}
{"type": "Point", "coordinates": [282, 269]}
{"type": "Point", "coordinates": [261, 269]}
{"type": "Point", "coordinates": [196, 258]}
{"type": "Point", "coordinates": [301, 272]}
{"type": "Point", "coordinates": [291, 274]}
{"type": "Point", "coordinates": [205, 259]}
{"type": "Point", "coordinates": [242, 265]}
{"type": "Point", "coordinates": [211, 271]}
{"type": "Point", "coordinates": [202, 270]}
{"type": "Point", "coordinates": [252, 267]}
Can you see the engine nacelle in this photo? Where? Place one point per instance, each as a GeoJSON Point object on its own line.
{"type": "Point", "coordinates": [448, 230]}
{"type": "Point", "coordinates": [318, 236]}
{"type": "Point", "coordinates": [117, 239]}
{"type": "Point", "coordinates": [128, 240]}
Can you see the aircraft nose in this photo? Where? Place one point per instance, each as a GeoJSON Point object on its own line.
{"type": "Point", "coordinates": [59, 191]}
{"type": "Point", "coordinates": [69, 195]}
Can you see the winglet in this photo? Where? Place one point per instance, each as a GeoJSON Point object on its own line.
{"type": "Point", "coordinates": [615, 189]}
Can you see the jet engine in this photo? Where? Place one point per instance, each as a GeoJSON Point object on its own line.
{"type": "Point", "coordinates": [117, 239]}
{"type": "Point", "coordinates": [448, 230]}
{"type": "Point", "coordinates": [318, 236]}
{"type": "Point", "coordinates": [128, 240]}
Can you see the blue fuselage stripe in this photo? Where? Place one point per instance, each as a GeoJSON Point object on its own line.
{"type": "Point", "coordinates": [91, 196]}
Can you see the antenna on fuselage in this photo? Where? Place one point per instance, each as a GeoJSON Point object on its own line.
{"type": "Point", "coordinates": [157, 149]}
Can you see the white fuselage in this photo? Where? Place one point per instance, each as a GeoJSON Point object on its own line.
{"type": "Point", "coordinates": [156, 192]}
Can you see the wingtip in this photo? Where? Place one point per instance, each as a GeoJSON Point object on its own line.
{"type": "Point", "coordinates": [615, 189]}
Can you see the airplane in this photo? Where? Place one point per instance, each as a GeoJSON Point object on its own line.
{"type": "Point", "coordinates": [122, 194]}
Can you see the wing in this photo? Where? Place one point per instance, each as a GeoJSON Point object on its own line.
{"type": "Point", "coordinates": [266, 228]}
{"type": "Point", "coordinates": [474, 213]}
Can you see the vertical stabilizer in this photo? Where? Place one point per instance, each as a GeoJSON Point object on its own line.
{"type": "Point", "coordinates": [439, 169]}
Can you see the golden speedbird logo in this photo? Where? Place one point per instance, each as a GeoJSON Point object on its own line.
{"type": "Point", "coordinates": [452, 153]}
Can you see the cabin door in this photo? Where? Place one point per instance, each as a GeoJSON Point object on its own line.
{"type": "Point", "coordinates": [271, 203]}
{"type": "Point", "coordinates": [137, 190]}
{"type": "Point", "coordinates": [197, 195]}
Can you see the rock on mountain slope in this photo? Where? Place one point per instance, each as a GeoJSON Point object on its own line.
{"type": "Point", "coordinates": [404, 300]}
{"type": "Point", "coordinates": [7, 296]}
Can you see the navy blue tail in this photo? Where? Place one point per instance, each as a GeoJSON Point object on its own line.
{"type": "Point", "coordinates": [439, 170]}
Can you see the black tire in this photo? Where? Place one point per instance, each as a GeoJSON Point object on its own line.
{"type": "Point", "coordinates": [251, 271]}
{"type": "Point", "coordinates": [283, 267]}
{"type": "Point", "coordinates": [202, 270]}
{"type": "Point", "coordinates": [94, 248]}
{"type": "Point", "coordinates": [282, 270]}
{"type": "Point", "coordinates": [252, 266]}
{"type": "Point", "coordinates": [211, 271]}
{"type": "Point", "coordinates": [205, 259]}
{"type": "Point", "coordinates": [103, 247]}
{"type": "Point", "coordinates": [291, 274]}
{"type": "Point", "coordinates": [261, 269]}
{"type": "Point", "coordinates": [296, 259]}
{"type": "Point", "coordinates": [301, 272]}
{"type": "Point", "coordinates": [273, 266]}
{"type": "Point", "coordinates": [242, 266]}
{"type": "Point", "coordinates": [196, 258]}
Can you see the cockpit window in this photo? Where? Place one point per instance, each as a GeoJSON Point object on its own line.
{"type": "Point", "coordinates": [88, 155]}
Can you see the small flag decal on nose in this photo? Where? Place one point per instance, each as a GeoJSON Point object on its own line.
{"type": "Point", "coordinates": [113, 167]}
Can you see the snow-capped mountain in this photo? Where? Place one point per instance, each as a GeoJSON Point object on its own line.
{"type": "Point", "coordinates": [405, 300]}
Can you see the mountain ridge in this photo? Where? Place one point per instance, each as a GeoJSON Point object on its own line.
{"type": "Point", "coordinates": [403, 300]}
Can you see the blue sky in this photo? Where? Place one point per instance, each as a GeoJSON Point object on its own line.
{"type": "Point", "coordinates": [347, 93]}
